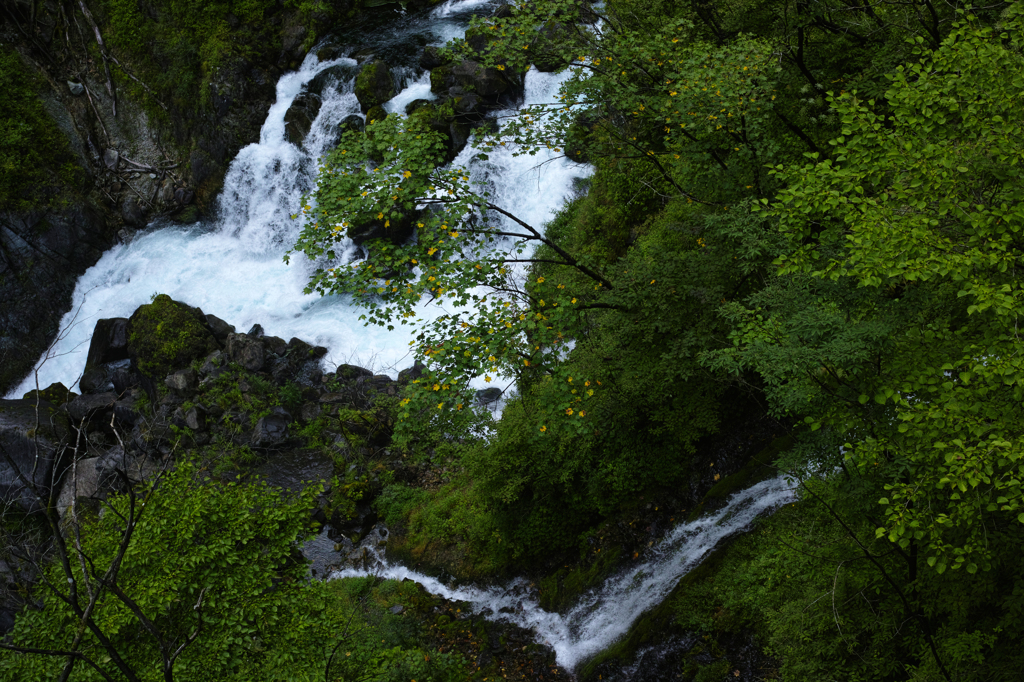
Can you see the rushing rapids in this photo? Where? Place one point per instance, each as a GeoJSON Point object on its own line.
{"type": "Point", "coordinates": [233, 265]}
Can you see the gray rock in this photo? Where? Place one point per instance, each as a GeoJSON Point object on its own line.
{"type": "Point", "coordinates": [270, 430]}
{"type": "Point", "coordinates": [246, 351]}
{"type": "Point", "coordinates": [95, 379]}
{"type": "Point", "coordinates": [486, 82]}
{"type": "Point", "coordinates": [219, 327]}
{"type": "Point", "coordinates": [374, 85]}
{"type": "Point", "coordinates": [256, 330]}
{"type": "Point", "coordinates": [300, 116]}
{"type": "Point", "coordinates": [309, 412]}
{"type": "Point", "coordinates": [90, 406]}
{"type": "Point", "coordinates": [111, 158]}
{"type": "Point", "coordinates": [77, 89]}
{"type": "Point", "coordinates": [432, 58]}
{"type": "Point", "coordinates": [182, 382]}
{"type": "Point", "coordinates": [165, 195]}
{"type": "Point", "coordinates": [397, 609]}
{"type": "Point", "coordinates": [195, 419]}
{"type": "Point", "coordinates": [414, 372]}
{"type": "Point", "coordinates": [109, 341]}
{"type": "Point", "coordinates": [132, 212]}
{"type": "Point", "coordinates": [84, 483]}
{"type": "Point", "coordinates": [295, 470]}
{"type": "Point", "coordinates": [213, 361]}
{"type": "Point", "coordinates": [31, 447]}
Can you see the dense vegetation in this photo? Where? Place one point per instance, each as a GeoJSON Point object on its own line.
{"type": "Point", "coordinates": [815, 204]}
{"type": "Point", "coordinates": [806, 211]}
{"type": "Point", "coordinates": [34, 156]}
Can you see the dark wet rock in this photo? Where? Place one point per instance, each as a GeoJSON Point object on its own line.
{"type": "Point", "coordinates": [295, 470]}
{"type": "Point", "coordinates": [411, 373]}
{"type": "Point", "coordinates": [219, 327]}
{"type": "Point", "coordinates": [485, 81]}
{"type": "Point", "coordinates": [213, 361]}
{"type": "Point", "coordinates": [488, 396]}
{"type": "Point", "coordinates": [109, 341]}
{"type": "Point", "coordinates": [165, 195]}
{"type": "Point", "coordinates": [351, 122]}
{"type": "Point", "coordinates": [125, 411]}
{"type": "Point", "coordinates": [256, 330]}
{"type": "Point", "coordinates": [298, 120]}
{"type": "Point", "coordinates": [246, 351]}
{"type": "Point", "coordinates": [42, 254]}
{"type": "Point", "coordinates": [132, 212]}
{"type": "Point", "coordinates": [309, 412]}
{"type": "Point", "coordinates": [270, 430]}
{"type": "Point", "coordinates": [275, 344]}
{"type": "Point", "coordinates": [123, 379]}
{"type": "Point", "coordinates": [351, 372]}
{"type": "Point", "coordinates": [56, 393]}
{"type": "Point", "coordinates": [374, 85]}
{"type": "Point", "coordinates": [543, 49]}
{"type": "Point", "coordinates": [395, 230]}
{"type": "Point", "coordinates": [164, 336]}
{"type": "Point", "coordinates": [412, 106]}
{"type": "Point", "coordinates": [376, 113]}
{"type": "Point", "coordinates": [95, 379]}
{"type": "Point", "coordinates": [432, 58]}
{"type": "Point", "coordinates": [88, 407]}
{"type": "Point", "coordinates": [32, 439]}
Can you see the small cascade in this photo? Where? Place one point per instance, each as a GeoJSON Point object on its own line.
{"type": "Point", "coordinates": [605, 614]}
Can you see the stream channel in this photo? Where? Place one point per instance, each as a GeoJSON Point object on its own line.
{"type": "Point", "coordinates": [232, 266]}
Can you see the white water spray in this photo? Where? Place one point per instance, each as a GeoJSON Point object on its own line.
{"type": "Point", "coordinates": [233, 267]}
{"type": "Point", "coordinates": [605, 614]}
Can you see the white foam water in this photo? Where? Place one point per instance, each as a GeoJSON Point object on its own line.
{"type": "Point", "coordinates": [233, 266]}
{"type": "Point", "coordinates": [605, 614]}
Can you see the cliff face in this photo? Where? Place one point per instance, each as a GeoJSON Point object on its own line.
{"type": "Point", "coordinates": [132, 110]}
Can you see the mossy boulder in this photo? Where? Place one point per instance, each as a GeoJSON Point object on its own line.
{"type": "Point", "coordinates": [374, 85]}
{"type": "Point", "coordinates": [164, 336]}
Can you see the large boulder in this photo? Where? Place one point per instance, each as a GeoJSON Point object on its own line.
{"type": "Point", "coordinates": [108, 351]}
{"type": "Point", "coordinates": [246, 351]}
{"type": "Point", "coordinates": [164, 336]}
{"type": "Point", "coordinates": [374, 85]}
{"type": "Point", "coordinates": [298, 120]}
{"type": "Point", "coordinates": [32, 439]}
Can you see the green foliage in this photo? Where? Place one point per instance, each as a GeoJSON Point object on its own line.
{"type": "Point", "coordinates": [34, 154]}
{"type": "Point", "coordinates": [893, 320]}
{"type": "Point", "coordinates": [166, 335]}
{"type": "Point", "coordinates": [177, 46]}
{"type": "Point", "coordinates": [228, 545]}
{"type": "Point", "coordinates": [802, 584]}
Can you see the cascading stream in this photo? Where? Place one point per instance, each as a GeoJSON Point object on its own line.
{"type": "Point", "coordinates": [605, 614]}
{"type": "Point", "coordinates": [232, 266]}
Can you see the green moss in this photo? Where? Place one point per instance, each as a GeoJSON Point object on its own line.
{"type": "Point", "coordinates": [166, 335]}
{"type": "Point", "coordinates": [561, 589]}
{"type": "Point", "coordinates": [34, 154]}
{"type": "Point", "coordinates": [57, 394]}
{"type": "Point", "coordinates": [757, 469]}
{"type": "Point", "coordinates": [374, 84]}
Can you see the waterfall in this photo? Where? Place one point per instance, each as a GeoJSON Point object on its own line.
{"type": "Point", "coordinates": [605, 614]}
{"type": "Point", "coordinates": [231, 265]}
